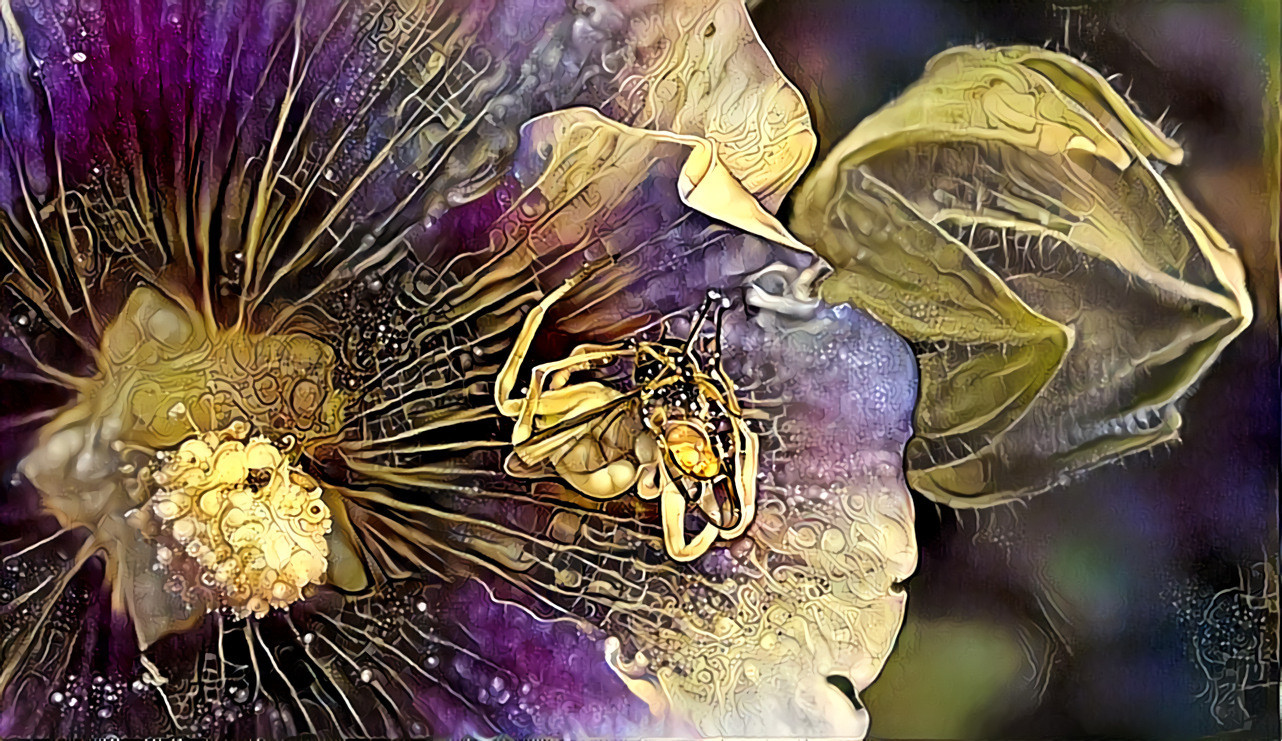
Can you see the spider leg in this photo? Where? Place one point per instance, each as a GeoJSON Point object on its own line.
{"type": "Point", "coordinates": [711, 508]}
{"type": "Point", "coordinates": [505, 382]}
{"type": "Point", "coordinates": [696, 324]}
{"type": "Point", "coordinates": [561, 377]}
{"type": "Point", "coordinates": [744, 481]}
{"type": "Point", "coordinates": [672, 509]}
{"type": "Point", "coordinates": [569, 400]}
{"type": "Point", "coordinates": [648, 487]}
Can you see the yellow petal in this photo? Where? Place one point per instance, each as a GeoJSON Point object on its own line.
{"type": "Point", "coordinates": [701, 70]}
{"type": "Point", "coordinates": [1011, 215]}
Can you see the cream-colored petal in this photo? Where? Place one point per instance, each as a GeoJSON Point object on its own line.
{"type": "Point", "coordinates": [1012, 216]}
{"type": "Point", "coordinates": [699, 69]}
{"type": "Point", "coordinates": [584, 141]}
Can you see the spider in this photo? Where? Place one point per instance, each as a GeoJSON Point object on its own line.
{"type": "Point", "coordinates": [678, 435]}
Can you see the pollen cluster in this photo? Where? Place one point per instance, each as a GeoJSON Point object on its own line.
{"type": "Point", "coordinates": [241, 519]}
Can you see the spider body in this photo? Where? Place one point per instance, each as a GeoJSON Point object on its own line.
{"type": "Point", "coordinates": [677, 435]}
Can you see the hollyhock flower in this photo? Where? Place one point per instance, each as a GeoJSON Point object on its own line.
{"type": "Point", "coordinates": [267, 268]}
{"type": "Point", "coordinates": [440, 368]}
{"type": "Point", "coordinates": [1012, 216]}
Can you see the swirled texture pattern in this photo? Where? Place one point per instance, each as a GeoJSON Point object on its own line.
{"type": "Point", "coordinates": [263, 260]}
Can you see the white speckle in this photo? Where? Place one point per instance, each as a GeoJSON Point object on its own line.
{"type": "Point", "coordinates": [78, 57]}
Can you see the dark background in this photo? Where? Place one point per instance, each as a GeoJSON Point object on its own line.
{"type": "Point", "coordinates": [1141, 601]}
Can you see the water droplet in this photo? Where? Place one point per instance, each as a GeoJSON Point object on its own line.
{"type": "Point", "coordinates": [308, 638]}
{"type": "Point", "coordinates": [366, 675]}
{"type": "Point", "coordinates": [56, 698]}
{"type": "Point", "coordinates": [78, 57]}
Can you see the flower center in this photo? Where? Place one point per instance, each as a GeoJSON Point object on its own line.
{"type": "Point", "coordinates": [239, 520]}
{"type": "Point", "coordinates": [163, 377]}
